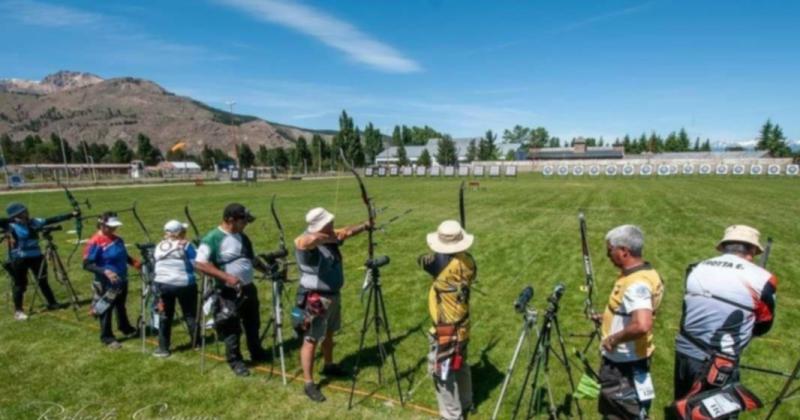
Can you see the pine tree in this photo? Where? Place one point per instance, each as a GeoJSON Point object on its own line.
{"type": "Point", "coordinates": [120, 152]}
{"type": "Point", "coordinates": [446, 153]}
{"type": "Point", "coordinates": [472, 151]}
{"type": "Point", "coordinates": [373, 143]}
{"type": "Point", "coordinates": [424, 159]}
{"type": "Point", "coordinates": [402, 156]}
{"type": "Point", "coordinates": [246, 156]}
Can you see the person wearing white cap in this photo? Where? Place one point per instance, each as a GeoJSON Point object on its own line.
{"type": "Point", "coordinates": [453, 270]}
{"type": "Point", "coordinates": [226, 255]}
{"type": "Point", "coordinates": [728, 301]}
{"type": "Point", "coordinates": [321, 278]}
{"type": "Point", "coordinates": [105, 255]}
{"type": "Point", "coordinates": [174, 280]}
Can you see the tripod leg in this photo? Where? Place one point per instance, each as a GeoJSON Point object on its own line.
{"type": "Point", "coordinates": [542, 364]}
{"type": "Point", "coordinates": [389, 338]}
{"type": "Point", "coordinates": [785, 391]}
{"type": "Point", "coordinates": [567, 367]}
{"type": "Point", "coordinates": [377, 322]}
{"type": "Point", "coordinates": [35, 286]}
{"type": "Point", "coordinates": [58, 265]}
{"type": "Point", "coordinates": [522, 336]}
{"type": "Point", "coordinates": [534, 361]}
{"type": "Point", "coordinates": [360, 347]}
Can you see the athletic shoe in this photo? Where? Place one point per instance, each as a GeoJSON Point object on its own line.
{"type": "Point", "coordinates": [160, 353]}
{"type": "Point", "coordinates": [114, 345]}
{"type": "Point", "coordinates": [334, 369]}
{"type": "Point", "coordinates": [20, 316]}
{"type": "Point", "coordinates": [313, 393]}
{"type": "Point", "coordinates": [240, 370]}
{"type": "Point", "coordinates": [129, 332]}
{"type": "Point", "coordinates": [53, 306]}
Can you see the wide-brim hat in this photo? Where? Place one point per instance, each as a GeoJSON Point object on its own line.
{"type": "Point", "coordinates": [450, 238]}
{"type": "Point", "coordinates": [318, 218]}
{"type": "Point", "coordinates": [744, 234]}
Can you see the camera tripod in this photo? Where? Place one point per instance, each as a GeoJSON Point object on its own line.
{"type": "Point", "coordinates": [147, 297]}
{"type": "Point", "coordinates": [539, 364]}
{"type": "Point", "coordinates": [53, 259]}
{"type": "Point", "coordinates": [375, 314]}
{"type": "Point", "coordinates": [278, 278]}
{"type": "Point", "coordinates": [529, 321]}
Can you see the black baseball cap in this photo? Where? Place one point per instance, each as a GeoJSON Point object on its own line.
{"type": "Point", "coordinates": [237, 211]}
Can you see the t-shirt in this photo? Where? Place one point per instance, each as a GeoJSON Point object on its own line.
{"type": "Point", "coordinates": [230, 252]}
{"type": "Point", "coordinates": [175, 262]}
{"type": "Point", "coordinates": [638, 288]}
{"type": "Point", "coordinates": [321, 268]}
{"type": "Point", "coordinates": [727, 300]}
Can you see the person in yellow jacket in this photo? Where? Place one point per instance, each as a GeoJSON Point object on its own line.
{"type": "Point", "coordinates": [627, 328]}
{"type": "Point", "coordinates": [453, 271]}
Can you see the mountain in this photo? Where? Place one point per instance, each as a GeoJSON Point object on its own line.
{"type": "Point", "coordinates": [83, 106]}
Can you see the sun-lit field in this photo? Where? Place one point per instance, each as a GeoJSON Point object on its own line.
{"type": "Point", "coordinates": [526, 234]}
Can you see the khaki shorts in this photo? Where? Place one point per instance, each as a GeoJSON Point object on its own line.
{"type": "Point", "coordinates": [331, 321]}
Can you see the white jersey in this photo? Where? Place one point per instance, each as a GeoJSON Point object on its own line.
{"type": "Point", "coordinates": [728, 299]}
{"type": "Point", "coordinates": [174, 262]}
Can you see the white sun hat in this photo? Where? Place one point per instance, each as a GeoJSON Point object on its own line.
{"type": "Point", "coordinates": [174, 226]}
{"type": "Point", "coordinates": [450, 238]}
{"type": "Point", "coordinates": [318, 218]}
{"type": "Point", "coordinates": [113, 222]}
{"type": "Point", "coordinates": [744, 234]}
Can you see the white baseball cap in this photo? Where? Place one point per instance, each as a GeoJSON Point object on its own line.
{"type": "Point", "coordinates": [113, 222]}
{"type": "Point", "coordinates": [450, 238]}
{"type": "Point", "coordinates": [174, 226]}
{"type": "Point", "coordinates": [318, 218]}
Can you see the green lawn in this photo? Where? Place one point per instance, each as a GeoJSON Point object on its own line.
{"type": "Point", "coordinates": [526, 233]}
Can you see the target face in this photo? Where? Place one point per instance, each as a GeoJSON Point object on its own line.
{"type": "Point", "coordinates": [646, 170]}
{"type": "Point", "coordinates": [738, 169]}
{"type": "Point", "coordinates": [594, 170]}
{"type": "Point", "coordinates": [792, 170]}
{"type": "Point", "coordinates": [756, 170]}
{"type": "Point", "coordinates": [577, 170]}
{"type": "Point", "coordinates": [705, 169]}
{"type": "Point", "coordinates": [627, 170]}
{"type": "Point", "coordinates": [611, 170]}
{"type": "Point", "coordinates": [663, 170]}
{"type": "Point", "coordinates": [722, 169]}
{"type": "Point", "coordinates": [563, 170]}
{"type": "Point", "coordinates": [688, 169]}
{"type": "Point", "coordinates": [774, 169]}
{"type": "Point", "coordinates": [547, 170]}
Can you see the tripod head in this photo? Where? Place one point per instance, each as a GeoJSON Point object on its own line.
{"type": "Point", "coordinates": [376, 262]}
{"type": "Point", "coordinates": [554, 298]}
{"type": "Point", "coordinates": [521, 304]}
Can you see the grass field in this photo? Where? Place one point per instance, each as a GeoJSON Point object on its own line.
{"type": "Point", "coordinates": [526, 233]}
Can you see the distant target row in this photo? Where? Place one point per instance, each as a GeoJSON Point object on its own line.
{"type": "Point", "coordinates": [671, 169]}
{"type": "Point", "coordinates": [478, 171]}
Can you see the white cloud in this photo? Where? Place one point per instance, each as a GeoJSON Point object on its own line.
{"type": "Point", "coordinates": [329, 30]}
{"type": "Point", "coordinates": [605, 16]}
{"type": "Point", "coordinates": [32, 12]}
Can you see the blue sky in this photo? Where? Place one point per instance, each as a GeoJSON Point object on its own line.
{"type": "Point", "coordinates": [599, 68]}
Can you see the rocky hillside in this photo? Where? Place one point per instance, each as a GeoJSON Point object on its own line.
{"type": "Point", "coordinates": [83, 106]}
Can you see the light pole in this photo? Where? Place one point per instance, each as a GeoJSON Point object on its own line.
{"type": "Point", "coordinates": [233, 132]}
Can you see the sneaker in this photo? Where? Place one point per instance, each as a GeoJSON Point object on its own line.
{"type": "Point", "coordinates": [313, 393]}
{"type": "Point", "coordinates": [240, 370]}
{"type": "Point", "coordinates": [334, 369]}
{"type": "Point", "coordinates": [20, 316]}
{"type": "Point", "coordinates": [129, 332]}
{"type": "Point", "coordinates": [53, 306]}
{"type": "Point", "coordinates": [114, 345]}
{"type": "Point", "coordinates": [161, 353]}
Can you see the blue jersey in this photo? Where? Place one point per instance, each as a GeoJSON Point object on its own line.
{"type": "Point", "coordinates": [107, 253]}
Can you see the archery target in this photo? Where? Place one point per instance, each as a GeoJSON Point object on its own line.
{"type": "Point", "coordinates": [478, 171]}
{"type": "Point", "coordinates": [774, 169]}
{"type": "Point", "coordinates": [511, 170]}
{"type": "Point", "coordinates": [449, 171]}
{"type": "Point", "coordinates": [407, 171]}
{"type": "Point", "coordinates": [738, 169]}
{"type": "Point", "coordinates": [646, 169]}
{"type": "Point", "coordinates": [688, 169]}
{"type": "Point", "coordinates": [627, 170]}
{"type": "Point", "coordinates": [421, 170]}
{"type": "Point", "coordinates": [463, 171]}
{"type": "Point", "coordinates": [547, 170]}
{"type": "Point", "coordinates": [577, 170]}
{"type": "Point", "coordinates": [563, 170]}
{"type": "Point", "coordinates": [722, 169]}
{"type": "Point", "coordinates": [381, 171]}
{"type": "Point", "coordinates": [663, 170]}
{"type": "Point", "coordinates": [673, 169]}
{"type": "Point", "coordinates": [594, 170]}
{"type": "Point", "coordinates": [611, 170]}
{"type": "Point", "coordinates": [756, 169]}
{"type": "Point", "coordinates": [705, 169]}
{"type": "Point", "coordinates": [436, 171]}
{"type": "Point", "coordinates": [792, 170]}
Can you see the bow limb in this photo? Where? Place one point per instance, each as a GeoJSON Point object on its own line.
{"type": "Point", "coordinates": [278, 224]}
{"type": "Point", "coordinates": [76, 208]}
{"type": "Point", "coordinates": [192, 224]}
{"type": "Point", "coordinates": [141, 224]}
{"type": "Point", "coordinates": [461, 210]}
{"type": "Point", "coordinates": [367, 202]}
